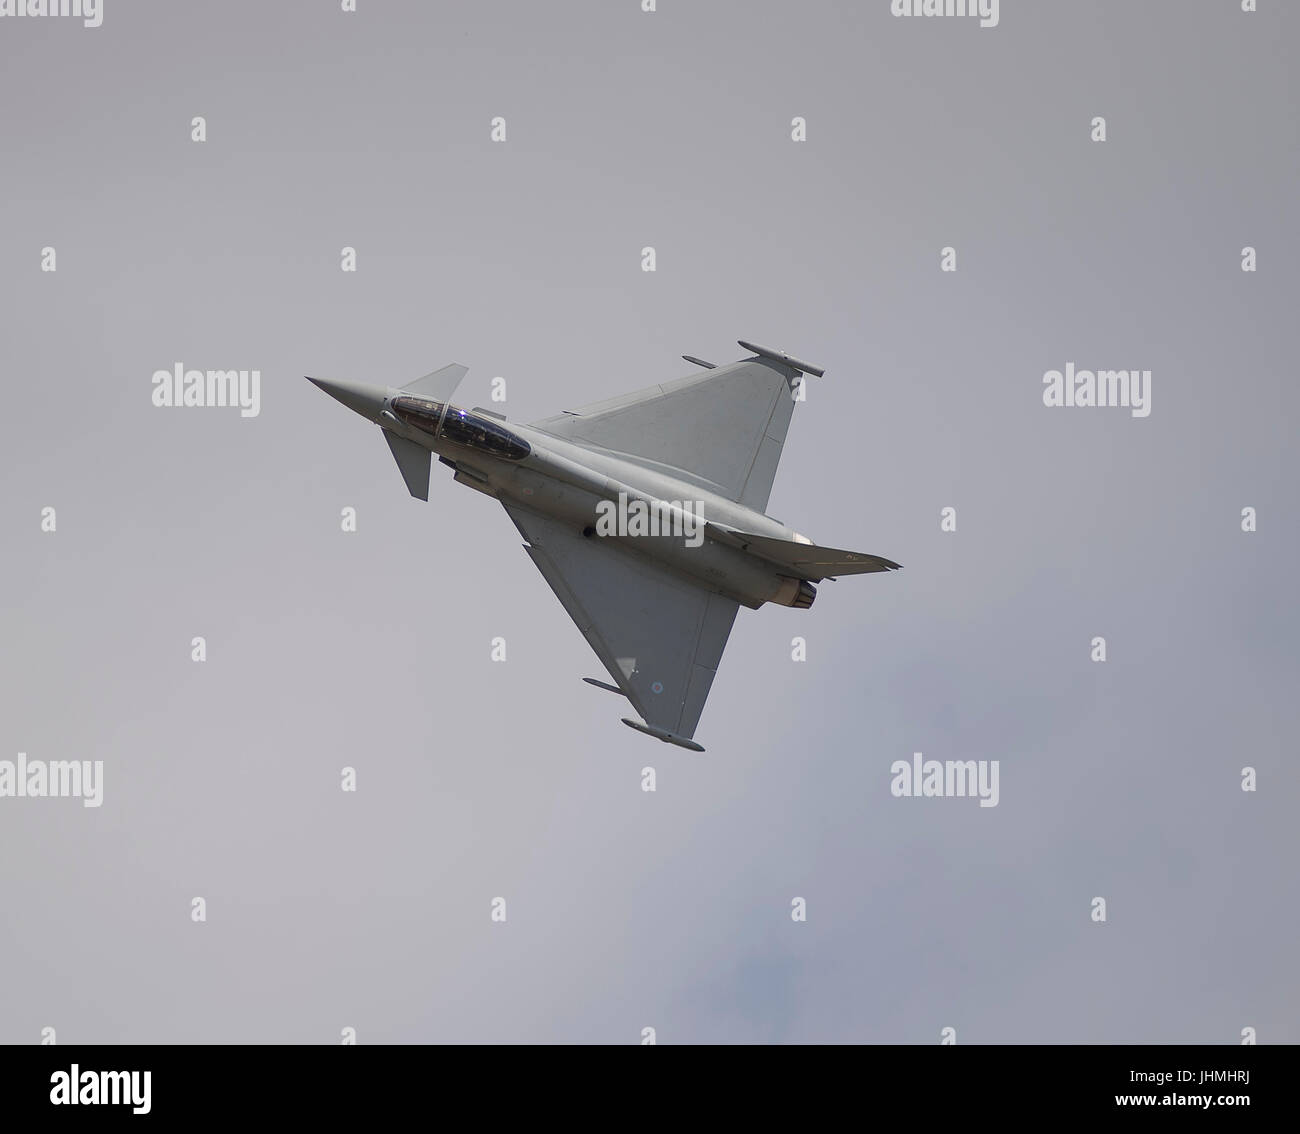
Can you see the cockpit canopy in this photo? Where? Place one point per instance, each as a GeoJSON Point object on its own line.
{"type": "Point", "coordinates": [460, 427]}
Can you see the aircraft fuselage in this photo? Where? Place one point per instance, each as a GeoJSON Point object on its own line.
{"type": "Point", "coordinates": [577, 485]}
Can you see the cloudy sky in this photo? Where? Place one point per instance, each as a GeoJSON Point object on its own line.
{"type": "Point", "coordinates": [522, 259]}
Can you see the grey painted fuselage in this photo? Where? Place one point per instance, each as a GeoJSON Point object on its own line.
{"type": "Point", "coordinates": [568, 481]}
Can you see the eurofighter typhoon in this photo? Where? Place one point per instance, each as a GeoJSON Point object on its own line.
{"type": "Point", "coordinates": [644, 513]}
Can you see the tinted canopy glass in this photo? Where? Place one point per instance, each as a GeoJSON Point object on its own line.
{"type": "Point", "coordinates": [423, 413]}
{"type": "Point", "coordinates": [464, 428]}
{"type": "Point", "coordinates": [461, 427]}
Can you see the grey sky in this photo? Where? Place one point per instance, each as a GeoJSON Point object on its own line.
{"type": "Point", "coordinates": [522, 260]}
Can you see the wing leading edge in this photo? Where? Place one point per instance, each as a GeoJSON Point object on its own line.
{"type": "Point", "coordinates": [660, 637]}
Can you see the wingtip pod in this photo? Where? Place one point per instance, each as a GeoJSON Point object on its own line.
{"type": "Point", "coordinates": [663, 734]}
{"type": "Point", "coordinates": [781, 356]}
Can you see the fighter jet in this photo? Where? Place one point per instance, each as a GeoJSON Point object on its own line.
{"type": "Point", "coordinates": [644, 513]}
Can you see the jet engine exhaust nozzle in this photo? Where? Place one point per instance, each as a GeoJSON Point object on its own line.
{"type": "Point", "coordinates": [798, 593]}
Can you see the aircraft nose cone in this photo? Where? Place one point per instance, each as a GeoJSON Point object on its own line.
{"type": "Point", "coordinates": [360, 397]}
